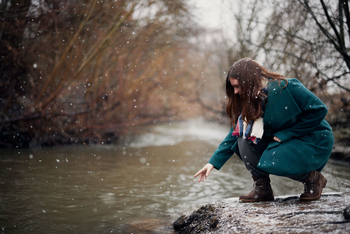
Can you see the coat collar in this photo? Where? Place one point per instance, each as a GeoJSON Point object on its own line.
{"type": "Point", "coordinates": [280, 107]}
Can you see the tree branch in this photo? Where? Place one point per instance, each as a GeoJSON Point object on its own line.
{"type": "Point", "coordinates": [63, 56]}
{"type": "Point", "coordinates": [339, 85]}
{"type": "Point", "coordinates": [331, 23]}
{"type": "Point", "coordinates": [287, 53]}
{"type": "Point", "coordinates": [325, 32]}
{"type": "Point", "coordinates": [347, 14]}
{"type": "Point", "coordinates": [341, 23]}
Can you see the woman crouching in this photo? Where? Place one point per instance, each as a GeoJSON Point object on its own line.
{"type": "Point", "coordinates": [278, 128]}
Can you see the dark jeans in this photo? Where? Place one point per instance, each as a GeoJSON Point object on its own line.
{"type": "Point", "coordinates": [251, 154]}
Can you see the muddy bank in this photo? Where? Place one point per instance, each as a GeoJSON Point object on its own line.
{"type": "Point", "coordinates": [286, 214]}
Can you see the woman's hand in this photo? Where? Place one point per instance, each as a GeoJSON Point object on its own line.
{"type": "Point", "coordinates": [276, 139]}
{"type": "Point", "coordinates": [204, 172]}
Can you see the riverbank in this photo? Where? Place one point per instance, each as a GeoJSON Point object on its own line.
{"type": "Point", "coordinates": [287, 214]}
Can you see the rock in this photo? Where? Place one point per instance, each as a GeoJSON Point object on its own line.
{"type": "Point", "coordinates": [204, 219]}
{"type": "Point", "coordinates": [346, 212]}
{"type": "Point", "coordinates": [181, 222]}
{"type": "Point", "coordinates": [213, 222]}
{"type": "Point", "coordinates": [287, 214]}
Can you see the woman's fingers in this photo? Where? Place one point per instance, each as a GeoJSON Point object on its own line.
{"type": "Point", "coordinates": [276, 139]}
{"type": "Point", "coordinates": [209, 169]}
{"type": "Point", "coordinates": [204, 172]}
{"type": "Point", "coordinates": [200, 178]}
{"type": "Point", "coordinates": [199, 172]}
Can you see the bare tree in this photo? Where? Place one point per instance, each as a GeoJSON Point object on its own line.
{"type": "Point", "coordinates": [303, 39]}
{"type": "Point", "coordinates": [333, 20]}
{"type": "Point", "coordinates": [94, 68]}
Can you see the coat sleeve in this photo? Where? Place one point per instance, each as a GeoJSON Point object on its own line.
{"type": "Point", "coordinates": [313, 111]}
{"type": "Point", "coordinates": [224, 151]}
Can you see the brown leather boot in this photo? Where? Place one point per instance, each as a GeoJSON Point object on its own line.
{"type": "Point", "coordinates": [313, 186]}
{"type": "Point", "coordinates": [262, 191]}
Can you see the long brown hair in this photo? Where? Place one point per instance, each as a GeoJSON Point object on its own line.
{"type": "Point", "coordinates": [250, 77]}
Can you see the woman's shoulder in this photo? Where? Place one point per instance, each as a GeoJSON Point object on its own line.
{"type": "Point", "coordinates": [287, 83]}
{"type": "Point", "coordinates": [290, 87]}
{"type": "Point", "coordinates": [294, 81]}
{"type": "Point", "coordinates": [296, 85]}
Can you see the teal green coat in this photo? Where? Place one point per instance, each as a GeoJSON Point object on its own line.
{"type": "Point", "coordinates": [296, 116]}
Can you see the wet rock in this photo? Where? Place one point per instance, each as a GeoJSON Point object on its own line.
{"type": "Point", "coordinates": [213, 222]}
{"type": "Point", "coordinates": [181, 222]}
{"type": "Point", "coordinates": [202, 220]}
{"type": "Point", "coordinates": [287, 214]}
{"type": "Point", "coordinates": [346, 212]}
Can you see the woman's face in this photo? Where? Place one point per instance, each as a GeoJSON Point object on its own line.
{"type": "Point", "coordinates": [235, 84]}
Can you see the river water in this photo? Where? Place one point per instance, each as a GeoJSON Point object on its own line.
{"type": "Point", "coordinates": [140, 186]}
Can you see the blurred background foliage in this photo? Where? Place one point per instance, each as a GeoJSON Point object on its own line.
{"type": "Point", "coordinates": [90, 71]}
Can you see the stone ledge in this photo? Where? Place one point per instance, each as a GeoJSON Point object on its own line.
{"type": "Point", "coordinates": [287, 214]}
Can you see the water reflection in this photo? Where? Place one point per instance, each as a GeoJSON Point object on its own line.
{"type": "Point", "coordinates": [118, 189]}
